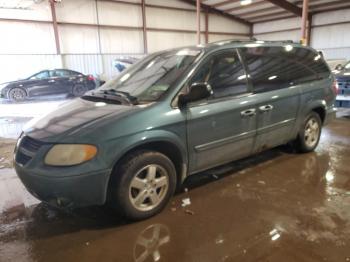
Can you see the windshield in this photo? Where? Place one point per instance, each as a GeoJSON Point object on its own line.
{"type": "Point", "coordinates": [151, 77]}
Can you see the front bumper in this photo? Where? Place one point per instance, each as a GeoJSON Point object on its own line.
{"type": "Point", "coordinates": [68, 191]}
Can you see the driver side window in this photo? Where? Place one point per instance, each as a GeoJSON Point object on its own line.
{"type": "Point", "coordinates": [225, 74]}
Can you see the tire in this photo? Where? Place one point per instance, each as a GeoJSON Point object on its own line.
{"type": "Point", "coordinates": [79, 90]}
{"type": "Point", "coordinates": [309, 134]}
{"type": "Point", "coordinates": [142, 184]}
{"type": "Point", "coordinates": [17, 94]}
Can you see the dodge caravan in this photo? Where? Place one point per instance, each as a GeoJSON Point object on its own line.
{"type": "Point", "coordinates": [133, 141]}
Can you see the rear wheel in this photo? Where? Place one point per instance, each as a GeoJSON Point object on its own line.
{"type": "Point", "coordinates": [17, 94]}
{"type": "Point", "coordinates": [142, 184]}
{"type": "Point", "coordinates": [310, 133]}
{"type": "Point", "coordinates": [79, 90]}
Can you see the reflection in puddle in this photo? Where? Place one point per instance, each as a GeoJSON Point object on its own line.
{"type": "Point", "coordinates": [150, 241]}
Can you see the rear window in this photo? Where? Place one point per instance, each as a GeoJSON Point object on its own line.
{"type": "Point", "coordinates": [271, 68]}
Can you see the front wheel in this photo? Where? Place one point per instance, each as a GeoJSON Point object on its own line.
{"type": "Point", "coordinates": [310, 133]}
{"type": "Point", "coordinates": [142, 184]}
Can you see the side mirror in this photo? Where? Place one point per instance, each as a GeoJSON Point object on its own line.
{"type": "Point", "coordinates": [198, 91]}
{"type": "Point", "coordinates": [339, 67]}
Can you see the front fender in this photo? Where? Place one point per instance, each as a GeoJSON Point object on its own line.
{"type": "Point", "coordinates": [119, 147]}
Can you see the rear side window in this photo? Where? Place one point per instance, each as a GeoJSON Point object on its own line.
{"type": "Point", "coordinates": [225, 74]}
{"type": "Point", "coordinates": [272, 68]}
{"type": "Point", "coordinates": [62, 73]}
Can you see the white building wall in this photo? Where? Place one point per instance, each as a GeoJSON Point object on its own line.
{"type": "Point", "coordinates": [330, 32]}
{"type": "Point", "coordinates": [92, 49]}
{"type": "Point", "coordinates": [219, 23]}
{"type": "Point", "coordinates": [261, 30]}
{"type": "Point", "coordinates": [333, 40]}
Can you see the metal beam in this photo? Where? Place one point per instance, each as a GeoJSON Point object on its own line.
{"type": "Point", "coordinates": [287, 6]}
{"type": "Point", "coordinates": [144, 26]}
{"type": "Point", "coordinates": [264, 10]}
{"type": "Point", "coordinates": [272, 19]}
{"type": "Point", "coordinates": [219, 12]}
{"type": "Point", "coordinates": [98, 28]}
{"type": "Point", "coordinates": [225, 3]}
{"type": "Point", "coordinates": [309, 31]}
{"type": "Point", "coordinates": [239, 8]}
{"type": "Point", "coordinates": [198, 13]}
{"type": "Point", "coordinates": [206, 26]}
{"type": "Point", "coordinates": [55, 27]}
{"type": "Point", "coordinates": [332, 9]}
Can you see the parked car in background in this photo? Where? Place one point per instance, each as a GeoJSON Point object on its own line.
{"type": "Point", "coordinates": [342, 75]}
{"type": "Point", "coordinates": [175, 113]}
{"type": "Point", "coordinates": [124, 62]}
{"type": "Point", "coordinates": [48, 83]}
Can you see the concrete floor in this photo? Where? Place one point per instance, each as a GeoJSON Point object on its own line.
{"type": "Point", "coordinates": [276, 206]}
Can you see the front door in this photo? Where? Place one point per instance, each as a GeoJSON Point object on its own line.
{"type": "Point", "coordinates": [40, 84]}
{"type": "Point", "coordinates": [222, 128]}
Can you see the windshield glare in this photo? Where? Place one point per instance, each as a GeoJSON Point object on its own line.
{"type": "Point", "coordinates": [151, 77]}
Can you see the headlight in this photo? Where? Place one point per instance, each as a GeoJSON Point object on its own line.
{"type": "Point", "coordinates": [69, 154]}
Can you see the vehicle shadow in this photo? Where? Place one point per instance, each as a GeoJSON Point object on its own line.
{"type": "Point", "coordinates": [233, 168]}
{"type": "Point", "coordinates": [42, 221]}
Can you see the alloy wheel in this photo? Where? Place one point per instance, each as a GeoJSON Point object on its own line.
{"type": "Point", "coordinates": [148, 187]}
{"type": "Point", "coordinates": [312, 132]}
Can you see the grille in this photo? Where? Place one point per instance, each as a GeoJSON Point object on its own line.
{"type": "Point", "coordinates": [22, 158]}
{"type": "Point", "coordinates": [30, 144]}
{"type": "Point", "coordinates": [27, 150]}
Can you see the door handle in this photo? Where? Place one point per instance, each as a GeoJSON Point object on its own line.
{"type": "Point", "coordinates": [51, 81]}
{"type": "Point", "coordinates": [248, 112]}
{"type": "Point", "coordinates": [265, 108]}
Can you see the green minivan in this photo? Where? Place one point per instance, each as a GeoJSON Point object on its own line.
{"type": "Point", "coordinates": [132, 142]}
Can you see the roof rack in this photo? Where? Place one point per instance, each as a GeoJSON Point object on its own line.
{"type": "Point", "coordinates": [253, 39]}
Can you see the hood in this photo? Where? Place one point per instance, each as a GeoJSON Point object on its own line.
{"type": "Point", "coordinates": [75, 116]}
{"type": "Point", "coordinates": [19, 82]}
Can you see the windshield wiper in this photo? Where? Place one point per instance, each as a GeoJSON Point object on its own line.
{"type": "Point", "coordinates": [111, 95]}
{"type": "Point", "coordinates": [122, 94]}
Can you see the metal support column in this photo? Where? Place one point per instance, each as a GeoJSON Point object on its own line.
{"type": "Point", "coordinates": [144, 26]}
{"type": "Point", "coordinates": [309, 30]}
{"type": "Point", "coordinates": [304, 22]}
{"type": "Point", "coordinates": [55, 27]}
{"type": "Point", "coordinates": [98, 28]}
{"type": "Point", "coordinates": [206, 26]}
{"type": "Point", "coordinates": [198, 22]}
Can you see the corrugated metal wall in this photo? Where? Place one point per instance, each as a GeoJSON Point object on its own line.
{"type": "Point", "coordinates": [91, 51]}
{"type": "Point", "coordinates": [333, 40]}
{"type": "Point", "coordinates": [330, 32]}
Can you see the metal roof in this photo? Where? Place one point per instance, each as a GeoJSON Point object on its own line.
{"type": "Point", "coordinates": [269, 10]}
